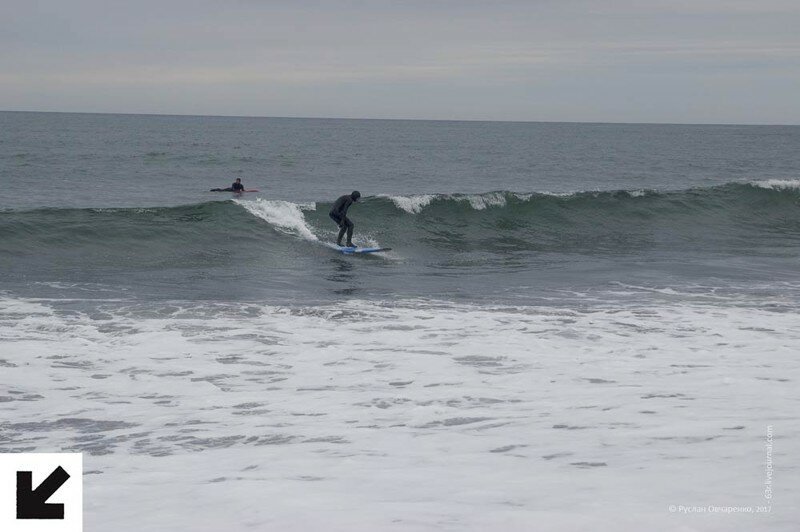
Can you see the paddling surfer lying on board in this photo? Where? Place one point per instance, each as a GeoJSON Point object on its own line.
{"type": "Point", "coordinates": [237, 186]}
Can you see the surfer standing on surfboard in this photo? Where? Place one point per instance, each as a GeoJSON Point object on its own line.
{"type": "Point", "coordinates": [237, 186]}
{"type": "Point", "coordinates": [339, 215]}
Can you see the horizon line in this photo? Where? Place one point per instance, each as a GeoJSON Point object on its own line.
{"type": "Point", "coordinates": [477, 120]}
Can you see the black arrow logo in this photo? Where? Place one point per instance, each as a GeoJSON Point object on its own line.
{"type": "Point", "coordinates": [32, 503]}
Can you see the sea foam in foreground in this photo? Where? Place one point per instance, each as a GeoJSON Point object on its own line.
{"type": "Point", "coordinates": [416, 416]}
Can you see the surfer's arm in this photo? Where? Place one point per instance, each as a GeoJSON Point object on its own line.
{"type": "Point", "coordinates": [338, 209]}
{"type": "Point", "coordinates": [343, 208]}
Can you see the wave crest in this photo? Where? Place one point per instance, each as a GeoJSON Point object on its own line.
{"type": "Point", "coordinates": [285, 216]}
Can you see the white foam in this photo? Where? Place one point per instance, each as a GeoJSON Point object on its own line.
{"type": "Point", "coordinates": [284, 215]}
{"type": "Point", "coordinates": [359, 415]}
{"type": "Point", "coordinates": [412, 204]}
{"type": "Point", "coordinates": [557, 194]}
{"type": "Point", "coordinates": [415, 204]}
{"type": "Point", "coordinates": [777, 184]}
{"type": "Point", "coordinates": [481, 201]}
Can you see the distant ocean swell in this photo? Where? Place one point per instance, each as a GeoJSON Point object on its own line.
{"type": "Point", "coordinates": [732, 218]}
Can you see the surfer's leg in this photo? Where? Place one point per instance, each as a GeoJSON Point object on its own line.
{"type": "Point", "coordinates": [349, 226]}
{"type": "Point", "coordinates": [342, 228]}
{"type": "Point", "coordinates": [341, 234]}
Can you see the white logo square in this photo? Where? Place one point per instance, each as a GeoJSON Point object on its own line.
{"type": "Point", "coordinates": [41, 492]}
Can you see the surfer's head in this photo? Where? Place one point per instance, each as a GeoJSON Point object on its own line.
{"type": "Point", "coordinates": [238, 179]}
{"type": "Point", "coordinates": [355, 195]}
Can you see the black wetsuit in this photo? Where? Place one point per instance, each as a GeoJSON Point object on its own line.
{"type": "Point", "coordinates": [339, 215]}
{"type": "Point", "coordinates": [236, 187]}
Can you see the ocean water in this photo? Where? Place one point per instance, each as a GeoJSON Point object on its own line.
{"type": "Point", "coordinates": [579, 325]}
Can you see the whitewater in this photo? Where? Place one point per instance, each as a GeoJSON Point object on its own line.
{"type": "Point", "coordinates": [418, 416]}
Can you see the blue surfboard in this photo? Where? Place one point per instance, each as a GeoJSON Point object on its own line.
{"type": "Point", "coordinates": [354, 251]}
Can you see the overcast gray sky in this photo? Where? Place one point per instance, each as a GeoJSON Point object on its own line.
{"type": "Point", "coordinates": [677, 61]}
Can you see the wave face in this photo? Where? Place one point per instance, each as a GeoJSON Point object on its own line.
{"type": "Point", "coordinates": [446, 245]}
{"type": "Point", "coordinates": [734, 217]}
